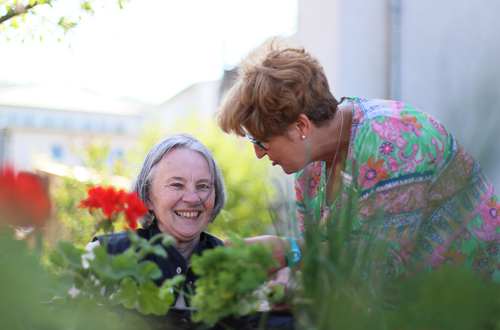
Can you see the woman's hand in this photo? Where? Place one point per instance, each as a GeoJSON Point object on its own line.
{"type": "Point", "coordinates": [290, 282]}
{"type": "Point", "coordinates": [286, 278]}
{"type": "Point", "coordinates": [278, 245]}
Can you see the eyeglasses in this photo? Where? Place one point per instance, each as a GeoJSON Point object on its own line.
{"type": "Point", "coordinates": [258, 143]}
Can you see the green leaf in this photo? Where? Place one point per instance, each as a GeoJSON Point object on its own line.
{"type": "Point", "coordinates": [159, 251]}
{"type": "Point", "coordinates": [101, 265]}
{"type": "Point", "coordinates": [115, 268]}
{"type": "Point", "coordinates": [67, 255]}
{"type": "Point", "coordinates": [90, 315]}
{"type": "Point", "coordinates": [150, 302]}
{"type": "Point", "coordinates": [168, 285]}
{"type": "Point", "coordinates": [167, 241]}
{"type": "Point", "coordinates": [148, 298]}
{"type": "Point", "coordinates": [232, 274]}
{"type": "Point", "coordinates": [123, 264]}
{"type": "Point", "coordinates": [86, 6]}
{"type": "Point", "coordinates": [149, 269]}
{"type": "Point", "coordinates": [127, 293]}
{"type": "Point", "coordinates": [14, 23]}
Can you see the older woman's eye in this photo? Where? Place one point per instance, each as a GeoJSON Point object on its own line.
{"type": "Point", "coordinates": [176, 185]}
{"type": "Point", "coordinates": [203, 186]}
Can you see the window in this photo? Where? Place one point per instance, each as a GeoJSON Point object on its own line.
{"type": "Point", "coordinates": [48, 122]}
{"type": "Point", "coordinates": [57, 152]}
{"type": "Point", "coordinates": [29, 121]}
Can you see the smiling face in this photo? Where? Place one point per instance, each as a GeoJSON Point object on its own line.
{"type": "Point", "coordinates": [180, 184]}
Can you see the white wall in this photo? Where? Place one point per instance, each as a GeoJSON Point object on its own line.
{"type": "Point", "coordinates": [451, 69]}
{"type": "Point", "coordinates": [351, 40]}
{"type": "Point", "coordinates": [201, 99]}
{"type": "Point", "coordinates": [319, 31]}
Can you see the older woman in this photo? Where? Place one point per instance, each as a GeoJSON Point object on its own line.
{"type": "Point", "coordinates": [426, 195]}
{"type": "Point", "coordinates": [182, 185]}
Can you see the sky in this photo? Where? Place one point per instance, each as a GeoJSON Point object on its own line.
{"type": "Point", "coordinates": [150, 50]}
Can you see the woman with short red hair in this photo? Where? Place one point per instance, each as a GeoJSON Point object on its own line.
{"type": "Point", "coordinates": [418, 188]}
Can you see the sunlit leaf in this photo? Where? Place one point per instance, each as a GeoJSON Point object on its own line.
{"type": "Point", "coordinates": [148, 269]}
{"type": "Point", "coordinates": [149, 301]}
{"type": "Point", "coordinates": [127, 293]}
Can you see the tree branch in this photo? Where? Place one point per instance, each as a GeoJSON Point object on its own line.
{"type": "Point", "coordinates": [12, 13]}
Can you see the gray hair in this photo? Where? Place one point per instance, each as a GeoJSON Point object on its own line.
{"type": "Point", "coordinates": [143, 182]}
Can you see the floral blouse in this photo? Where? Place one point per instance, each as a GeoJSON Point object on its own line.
{"type": "Point", "coordinates": [417, 186]}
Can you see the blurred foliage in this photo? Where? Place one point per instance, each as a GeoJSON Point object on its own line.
{"type": "Point", "coordinates": [77, 225]}
{"type": "Point", "coordinates": [230, 273]}
{"type": "Point", "coordinates": [75, 287]}
{"type": "Point", "coordinates": [337, 274]}
{"type": "Point", "coordinates": [28, 291]}
{"type": "Point", "coordinates": [23, 283]}
{"type": "Point", "coordinates": [33, 18]}
{"type": "Point", "coordinates": [122, 279]}
{"type": "Point", "coordinates": [450, 299]}
{"type": "Point", "coordinates": [341, 285]}
{"type": "Point", "coordinates": [343, 288]}
{"type": "Point", "coordinates": [68, 191]}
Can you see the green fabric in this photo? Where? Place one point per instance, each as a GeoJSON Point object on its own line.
{"type": "Point", "coordinates": [418, 189]}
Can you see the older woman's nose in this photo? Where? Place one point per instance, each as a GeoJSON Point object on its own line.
{"type": "Point", "coordinates": [259, 152]}
{"type": "Point", "coordinates": [191, 197]}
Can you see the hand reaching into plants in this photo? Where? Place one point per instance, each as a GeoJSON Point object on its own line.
{"type": "Point", "coordinates": [278, 245]}
{"type": "Point", "coordinates": [283, 288]}
{"type": "Point", "coordinates": [287, 279]}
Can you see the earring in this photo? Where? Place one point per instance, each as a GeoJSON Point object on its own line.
{"type": "Point", "coordinates": [303, 137]}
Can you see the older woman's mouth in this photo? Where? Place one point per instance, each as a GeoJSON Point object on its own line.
{"type": "Point", "coordinates": [191, 215]}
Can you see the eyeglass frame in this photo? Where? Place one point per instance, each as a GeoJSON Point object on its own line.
{"type": "Point", "coordinates": [257, 143]}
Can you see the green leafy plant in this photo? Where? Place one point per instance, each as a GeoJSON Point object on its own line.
{"type": "Point", "coordinates": [343, 287]}
{"type": "Point", "coordinates": [117, 279]}
{"type": "Point", "coordinates": [228, 277]}
{"type": "Point", "coordinates": [450, 299]}
{"type": "Point", "coordinates": [340, 285]}
{"type": "Point", "coordinates": [28, 289]}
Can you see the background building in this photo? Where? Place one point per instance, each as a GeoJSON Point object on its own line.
{"type": "Point", "coordinates": [41, 125]}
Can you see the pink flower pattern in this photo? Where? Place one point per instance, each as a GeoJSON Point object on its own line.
{"type": "Point", "coordinates": [489, 213]}
{"type": "Point", "coordinates": [390, 130]}
{"type": "Point", "coordinates": [409, 158]}
{"type": "Point", "coordinates": [310, 183]}
{"type": "Point", "coordinates": [486, 233]}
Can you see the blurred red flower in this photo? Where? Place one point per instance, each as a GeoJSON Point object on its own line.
{"type": "Point", "coordinates": [23, 199]}
{"type": "Point", "coordinates": [113, 202]}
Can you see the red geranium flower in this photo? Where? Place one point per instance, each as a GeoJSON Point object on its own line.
{"type": "Point", "coordinates": [23, 199]}
{"type": "Point", "coordinates": [135, 209]}
{"type": "Point", "coordinates": [113, 202]}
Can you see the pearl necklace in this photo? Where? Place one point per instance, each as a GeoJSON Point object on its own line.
{"type": "Point", "coordinates": [323, 189]}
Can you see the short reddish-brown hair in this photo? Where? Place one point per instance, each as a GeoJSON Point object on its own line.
{"type": "Point", "coordinates": [272, 91]}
